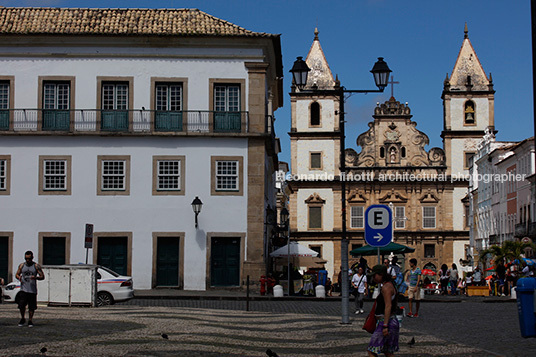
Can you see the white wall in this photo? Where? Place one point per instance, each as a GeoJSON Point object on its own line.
{"type": "Point", "coordinates": [26, 213]}
{"type": "Point", "coordinates": [327, 208]}
{"type": "Point", "coordinates": [327, 115]}
{"type": "Point", "coordinates": [457, 112]}
{"type": "Point", "coordinates": [86, 70]}
{"type": "Point", "coordinates": [326, 147]}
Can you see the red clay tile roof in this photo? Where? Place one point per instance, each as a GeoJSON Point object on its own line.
{"type": "Point", "coordinates": [161, 22]}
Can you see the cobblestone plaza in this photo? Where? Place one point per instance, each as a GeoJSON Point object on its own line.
{"type": "Point", "coordinates": [197, 327]}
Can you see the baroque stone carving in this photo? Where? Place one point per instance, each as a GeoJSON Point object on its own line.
{"type": "Point", "coordinates": [437, 156]}
{"type": "Point", "coordinates": [350, 157]}
{"type": "Point", "coordinates": [393, 196]}
{"type": "Point", "coordinates": [429, 197]}
{"type": "Point", "coordinates": [367, 142]}
{"type": "Point", "coordinates": [315, 198]}
{"type": "Point", "coordinates": [357, 196]}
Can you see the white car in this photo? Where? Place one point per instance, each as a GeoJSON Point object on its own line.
{"type": "Point", "coordinates": [111, 288]}
{"type": "Point", "coordinates": [10, 291]}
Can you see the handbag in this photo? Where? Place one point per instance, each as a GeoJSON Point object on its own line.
{"type": "Point", "coordinates": [370, 321]}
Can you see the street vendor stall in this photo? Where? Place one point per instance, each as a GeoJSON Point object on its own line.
{"type": "Point", "coordinates": [293, 249]}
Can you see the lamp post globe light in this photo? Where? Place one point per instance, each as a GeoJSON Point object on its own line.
{"type": "Point", "coordinates": [380, 72]}
{"type": "Point", "coordinates": [196, 206]}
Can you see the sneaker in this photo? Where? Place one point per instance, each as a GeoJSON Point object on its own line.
{"type": "Point", "coordinates": [415, 315]}
{"type": "Point", "coordinates": [410, 314]}
{"type": "Point", "coordinates": [361, 311]}
{"type": "Point", "coordinates": [30, 324]}
{"type": "Point", "coordinates": [22, 322]}
{"type": "Point", "coordinates": [357, 312]}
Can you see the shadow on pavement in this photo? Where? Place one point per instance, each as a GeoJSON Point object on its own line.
{"type": "Point", "coordinates": [51, 330]}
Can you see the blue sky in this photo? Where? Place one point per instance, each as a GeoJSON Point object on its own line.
{"type": "Point", "coordinates": [419, 39]}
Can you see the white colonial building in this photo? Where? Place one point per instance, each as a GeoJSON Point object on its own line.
{"type": "Point", "coordinates": [502, 192]}
{"type": "Point", "coordinates": [121, 118]}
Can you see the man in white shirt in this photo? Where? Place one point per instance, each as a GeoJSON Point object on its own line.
{"type": "Point", "coordinates": [359, 282]}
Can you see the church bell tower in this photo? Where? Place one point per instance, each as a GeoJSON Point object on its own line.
{"type": "Point", "coordinates": [468, 108]}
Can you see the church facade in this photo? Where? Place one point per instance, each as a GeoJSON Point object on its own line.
{"type": "Point", "coordinates": [425, 187]}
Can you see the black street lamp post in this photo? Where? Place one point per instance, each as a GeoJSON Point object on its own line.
{"type": "Point", "coordinates": [196, 206]}
{"type": "Point", "coordinates": [381, 72]}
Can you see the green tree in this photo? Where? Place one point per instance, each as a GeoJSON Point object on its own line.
{"type": "Point", "coordinates": [505, 253]}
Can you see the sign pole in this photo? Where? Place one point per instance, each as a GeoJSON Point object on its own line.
{"type": "Point", "coordinates": [88, 239]}
{"type": "Point", "coordinates": [379, 259]}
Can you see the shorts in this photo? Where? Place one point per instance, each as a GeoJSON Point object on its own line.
{"type": "Point", "coordinates": [414, 293]}
{"type": "Point", "coordinates": [24, 298]}
{"type": "Point", "coordinates": [385, 344]}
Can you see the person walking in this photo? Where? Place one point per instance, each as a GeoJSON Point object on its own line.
{"type": "Point", "coordinates": [453, 279]}
{"type": "Point", "coordinates": [1, 286]}
{"type": "Point", "coordinates": [359, 282]}
{"type": "Point", "coordinates": [414, 290]}
{"type": "Point", "coordinates": [385, 337]}
{"type": "Point", "coordinates": [28, 273]}
{"type": "Point", "coordinates": [477, 277]}
{"type": "Point", "coordinates": [444, 279]}
{"type": "Point", "coordinates": [394, 269]}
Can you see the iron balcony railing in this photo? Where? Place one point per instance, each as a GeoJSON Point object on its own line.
{"type": "Point", "coordinates": [130, 121]}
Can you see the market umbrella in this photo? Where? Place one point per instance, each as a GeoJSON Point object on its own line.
{"type": "Point", "coordinates": [293, 249]}
{"type": "Point", "coordinates": [428, 272]}
{"type": "Point", "coordinates": [392, 247]}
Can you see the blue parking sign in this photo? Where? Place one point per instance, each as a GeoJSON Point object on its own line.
{"type": "Point", "coordinates": [378, 225]}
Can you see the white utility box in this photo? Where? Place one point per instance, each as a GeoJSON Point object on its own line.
{"type": "Point", "coordinates": [68, 285]}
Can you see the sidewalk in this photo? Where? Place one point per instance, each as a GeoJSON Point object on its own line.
{"type": "Point", "coordinates": [240, 294]}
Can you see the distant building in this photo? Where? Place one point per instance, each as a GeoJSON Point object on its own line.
{"type": "Point", "coordinates": [427, 188]}
{"type": "Point", "coordinates": [121, 118]}
{"type": "Point", "coordinates": [502, 192]}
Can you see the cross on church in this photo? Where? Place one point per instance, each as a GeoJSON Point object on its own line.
{"type": "Point", "coordinates": [392, 83]}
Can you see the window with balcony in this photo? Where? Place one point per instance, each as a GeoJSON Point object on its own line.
{"type": "Point", "coordinates": [168, 106]}
{"type": "Point", "coordinates": [4, 105]}
{"type": "Point", "coordinates": [357, 217]}
{"type": "Point", "coordinates": [114, 107]}
{"type": "Point", "coordinates": [56, 105]}
{"type": "Point", "coordinates": [114, 102]}
{"type": "Point", "coordinates": [227, 115]}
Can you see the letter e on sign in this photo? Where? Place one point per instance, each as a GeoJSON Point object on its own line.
{"type": "Point", "coordinates": [378, 218]}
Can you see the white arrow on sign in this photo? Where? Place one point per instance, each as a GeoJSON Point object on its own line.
{"type": "Point", "coordinates": [378, 237]}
